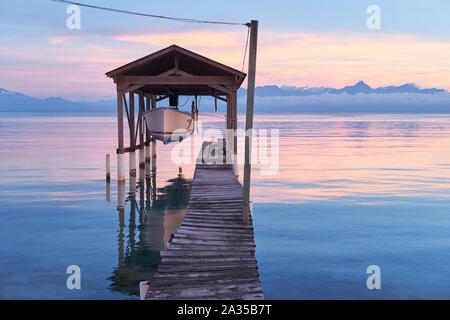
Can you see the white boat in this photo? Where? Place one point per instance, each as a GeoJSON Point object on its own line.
{"type": "Point", "coordinates": [169, 124]}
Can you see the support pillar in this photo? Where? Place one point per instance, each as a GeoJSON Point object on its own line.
{"type": "Point", "coordinates": [120, 195]}
{"type": "Point", "coordinates": [229, 133]}
{"type": "Point", "coordinates": [132, 153]}
{"type": "Point", "coordinates": [249, 119]}
{"type": "Point", "coordinates": [234, 127]}
{"type": "Point", "coordinates": [108, 168]}
{"type": "Point", "coordinates": [120, 149]}
{"type": "Point", "coordinates": [132, 158]}
{"type": "Point", "coordinates": [147, 142]}
{"type": "Point", "coordinates": [153, 142]}
{"type": "Point", "coordinates": [141, 127]}
{"type": "Point", "coordinates": [141, 130]}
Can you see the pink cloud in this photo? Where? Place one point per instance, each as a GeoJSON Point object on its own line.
{"type": "Point", "coordinates": [301, 59]}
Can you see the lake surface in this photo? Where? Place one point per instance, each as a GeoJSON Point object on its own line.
{"type": "Point", "coordinates": [351, 191]}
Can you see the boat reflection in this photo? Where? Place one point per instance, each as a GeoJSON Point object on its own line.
{"type": "Point", "coordinates": [154, 216]}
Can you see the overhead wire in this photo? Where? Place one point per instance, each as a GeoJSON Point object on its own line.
{"type": "Point", "coordinates": [187, 20]}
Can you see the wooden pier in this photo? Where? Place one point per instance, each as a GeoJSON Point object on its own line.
{"type": "Point", "coordinates": [212, 255]}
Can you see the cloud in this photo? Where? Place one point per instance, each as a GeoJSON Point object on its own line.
{"type": "Point", "coordinates": [321, 59]}
{"type": "Point", "coordinates": [284, 58]}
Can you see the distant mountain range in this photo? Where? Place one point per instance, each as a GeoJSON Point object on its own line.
{"type": "Point", "coordinates": [357, 98]}
{"type": "Point", "coordinates": [17, 102]}
{"type": "Point", "coordinates": [360, 87]}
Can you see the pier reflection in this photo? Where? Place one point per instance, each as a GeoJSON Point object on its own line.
{"type": "Point", "coordinates": [154, 215]}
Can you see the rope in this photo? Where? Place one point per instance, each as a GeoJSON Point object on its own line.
{"type": "Point", "coordinates": [246, 45]}
{"type": "Point", "coordinates": [187, 20]}
{"type": "Point", "coordinates": [186, 101]}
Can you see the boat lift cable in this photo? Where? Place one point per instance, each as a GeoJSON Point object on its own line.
{"type": "Point", "coordinates": [186, 101]}
{"type": "Point", "coordinates": [187, 20]}
{"type": "Point", "coordinates": [246, 46]}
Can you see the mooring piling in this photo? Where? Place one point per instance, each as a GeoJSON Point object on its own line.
{"type": "Point", "coordinates": [120, 169]}
{"type": "Point", "coordinates": [141, 175]}
{"type": "Point", "coordinates": [141, 158]}
{"type": "Point", "coordinates": [132, 158]}
{"type": "Point", "coordinates": [153, 156]}
{"type": "Point", "coordinates": [120, 195]}
{"type": "Point", "coordinates": [120, 149]}
{"type": "Point", "coordinates": [108, 168]}
{"type": "Point", "coordinates": [147, 153]}
{"type": "Point", "coordinates": [132, 187]}
{"type": "Point", "coordinates": [108, 191]}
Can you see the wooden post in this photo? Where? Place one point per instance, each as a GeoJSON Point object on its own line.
{"type": "Point", "coordinates": [121, 209]}
{"type": "Point", "coordinates": [196, 108]}
{"type": "Point", "coordinates": [143, 288]}
{"type": "Point", "coordinates": [120, 195]}
{"type": "Point", "coordinates": [120, 149]}
{"type": "Point", "coordinates": [234, 126]}
{"type": "Point", "coordinates": [153, 142]}
{"type": "Point", "coordinates": [229, 133]}
{"type": "Point", "coordinates": [132, 154]}
{"type": "Point", "coordinates": [108, 191]}
{"type": "Point", "coordinates": [108, 168]}
{"type": "Point", "coordinates": [147, 141]}
{"type": "Point", "coordinates": [196, 115]}
{"type": "Point", "coordinates": [249, 119]}
{"type": "Point", "coordinates": [147, 134]}
{"type": "Point", "coordinates": [141, 129]}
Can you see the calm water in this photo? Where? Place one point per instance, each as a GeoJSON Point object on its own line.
{"type": "Point", "coordinates": [351, 191]}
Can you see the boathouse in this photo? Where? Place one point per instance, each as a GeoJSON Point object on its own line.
{"type": "Point", "coordinates": [168, 74]}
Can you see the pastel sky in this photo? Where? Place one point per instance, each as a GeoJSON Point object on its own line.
{"type": "Point", "coordinates": [301, 43]}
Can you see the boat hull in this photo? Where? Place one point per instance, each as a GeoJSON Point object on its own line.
{"type": "Point", "coordinates": [169, 125]}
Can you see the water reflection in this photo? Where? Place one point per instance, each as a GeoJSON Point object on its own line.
{"type": "Point", "coordinates": [345, 197]}
{"type": "Point", "coordinates": [154, 215]}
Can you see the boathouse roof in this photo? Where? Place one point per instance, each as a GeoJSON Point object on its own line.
{"type": "Point", "coordinates": [177, 69]}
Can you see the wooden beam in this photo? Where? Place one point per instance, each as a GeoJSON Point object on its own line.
{"type": "Point", "coordinates": [129, 149]}
{"type": "Point", "coordinates": [126, 109]}
{"type": "Point", "coordinates": [129, 88]}
{"type": "Point", "coordinates": [168, 73]}
{"type": "Point", "coordinates": [221, 88]}
{"type": "Point", "coordinates": [173, 48]}
{"type": "Point", "coordinates": [222, 99]}
{"type": "Point", "coordinates": [177, 80]}
{"type": "Point", "coordinates": [177, 62]}
{"type": "Point", "coordinates": [162, 98]}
